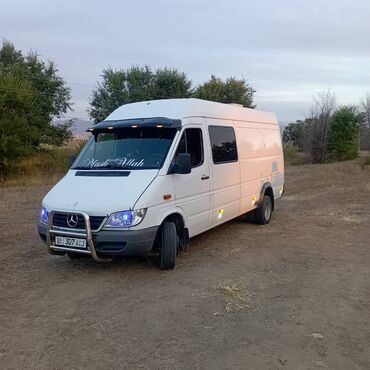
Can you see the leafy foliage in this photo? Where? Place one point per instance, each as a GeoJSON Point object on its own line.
{"type": "Point", "coordinates": [31, 95]}
{"type": "Point", "coordinates": [343, 133]}
{"type": "Point", "coordinates": [231, 90]}
{"type": "Point", "coordinates": [141, 83]}
{"type": "Point", "coordinates": [16, 112]}
{"type": "Point", "coordinates": [365, 105]}
{"type": "Point", "coordinates": [52, 94]}
{"type": "Point", "coordinates": [170, 83]}
{"type": "Point", "coordinates": [327, 134]}
{"type": "Point", "coordinates": [292, 156]}
{"type": "Point", "coordinates": [136, 84]}
{"type": "Point", "coordinates": [294, 134]}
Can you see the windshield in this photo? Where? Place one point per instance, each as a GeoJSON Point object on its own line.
{"type": "Point", "coordinates": [126, 148]}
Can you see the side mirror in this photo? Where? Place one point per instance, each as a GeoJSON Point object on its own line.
{"type": "Point", "coordinates": [184, 163]}
{"type": "Point", "coordinates": [71, 159]}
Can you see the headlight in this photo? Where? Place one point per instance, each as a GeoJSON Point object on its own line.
{"type": "Point", "coordinates": [125, 218]}
{"type": "Point", "coordinates": [44, 217]}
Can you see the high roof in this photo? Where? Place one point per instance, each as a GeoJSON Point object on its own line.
{"type": "Point", "coordinates": [183, 108]}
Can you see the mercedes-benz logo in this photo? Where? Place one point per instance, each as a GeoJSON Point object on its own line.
{"type": "Point", "coordinates": [72, 220]}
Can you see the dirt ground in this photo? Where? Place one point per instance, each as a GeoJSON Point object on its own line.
{"type": "Point", "coordinates": [290, 295]}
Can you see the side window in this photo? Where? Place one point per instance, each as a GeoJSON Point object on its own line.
{"type": "Point", "coordinates": [192, 142]}
{"type": "Point", "coordinates": [223, 144]}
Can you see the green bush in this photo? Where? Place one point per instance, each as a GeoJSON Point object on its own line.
{"type": "Point", "coordinates": [293, 157]}
{"type": "Point", "coordinates": [31, 95]}
{"type": "Point", "coordinates": [343, 139]}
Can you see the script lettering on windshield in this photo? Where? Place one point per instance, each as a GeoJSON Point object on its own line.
{"type": "Point", "coordinates": [116, 162]}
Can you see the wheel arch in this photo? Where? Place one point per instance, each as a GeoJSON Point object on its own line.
{"type": "Point", "coordinates": [179, 219]}
{"type": "Point", "coordinates": [267, 190]}
{"type": "Point", "coordinates": [175, 213]}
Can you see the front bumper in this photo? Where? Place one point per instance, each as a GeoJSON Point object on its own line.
{"type": "Point", "coordinates": [103, 243]}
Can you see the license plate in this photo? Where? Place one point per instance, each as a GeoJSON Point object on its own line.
{"type": "Point", "coordinates": [70, 242]}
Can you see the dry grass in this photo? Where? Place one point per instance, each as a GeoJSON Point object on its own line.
{"type": "Point", "coordinates": [364, 161]}
{"type": "Point", "coordinates": [234, 294]}
{"type": "Point", "coordinates": [20, 206]}
{"type": "Point", "coordinates": [14, 199]}
{"type": "Point", "coordinates": [293, 157]}
{"type": "Point", "coordinates": [333, 176]}
{"type": "Point", "coordinates": [297, 276]}
{"type": "Point", "coordinates": [46, 166]}
{"type": "Point", "coordinates": [33, 180]}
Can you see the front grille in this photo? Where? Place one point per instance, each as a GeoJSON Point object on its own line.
{"type": "Point", "coordinates": [95, 222]}
{"type": "Point", "coordinates": [60, 220]}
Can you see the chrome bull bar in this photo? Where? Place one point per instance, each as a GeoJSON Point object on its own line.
{"type": "Point", "coordinates": [88, 235]}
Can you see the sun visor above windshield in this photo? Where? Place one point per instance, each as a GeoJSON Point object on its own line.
{"type": "Point", "coordinates": [137, 122]}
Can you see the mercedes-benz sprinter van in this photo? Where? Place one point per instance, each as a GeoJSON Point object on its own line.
{"type": "Point", "coordinates": [157, 173]}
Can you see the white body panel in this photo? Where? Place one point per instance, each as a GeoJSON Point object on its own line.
{"type": "Point", "coordinates": [193, 195]}
{"type": "Point", "coordinates": [231, 189]}
{"type": "Point", "coordinates": [98, 195]}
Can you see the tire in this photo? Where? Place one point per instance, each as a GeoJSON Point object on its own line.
{"type": "Point", "coordinates": [263, 213]}
{"type": "Point", "coordinates": [169, 246]}
{"type": "Point", "coordinates": [250, 217]}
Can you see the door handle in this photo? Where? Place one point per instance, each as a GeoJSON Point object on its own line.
{"type": "Point", "coordinates": [204, 177]}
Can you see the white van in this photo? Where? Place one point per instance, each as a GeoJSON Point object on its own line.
{"type": "Point", "coordinates": [157, 173]}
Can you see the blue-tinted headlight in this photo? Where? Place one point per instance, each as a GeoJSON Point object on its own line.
{"type": "Point", "coordinates": [44, 218]}
{"type": "Point", "coordinates": [125, 218]}
{"type": "Point", "coordinates": [120, 219]}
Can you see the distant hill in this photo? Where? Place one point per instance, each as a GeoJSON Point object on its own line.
{"type": "Point", "coordinates": [79, 127]}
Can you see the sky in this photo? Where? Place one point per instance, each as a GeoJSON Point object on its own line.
{"type": "Point", "coordinates": [288, 50]}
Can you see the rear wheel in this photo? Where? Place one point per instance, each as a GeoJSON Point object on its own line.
{"type": "Point", "coordinates": [264, 212]}
{"type": "Point", "coordinates": [169, 245]}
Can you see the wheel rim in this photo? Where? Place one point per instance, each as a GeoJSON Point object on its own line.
{"type": "Point", "coordinates": [268, 211]}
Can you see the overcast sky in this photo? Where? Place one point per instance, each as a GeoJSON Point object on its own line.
{"type": "Point", "coordinates": [288, 50]}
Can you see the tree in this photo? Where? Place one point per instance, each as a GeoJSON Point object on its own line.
{"type": "Point", "coordinates": [317, 127]}
{"type": "Point", "coordinates": [343, 133]}
{"type": "Point", "coordinates": [136, 84]}
{"type": "Point", "coordinates": [365, 104]}
{"type": "Point", "coordinates": [365, 127]}
{"type": "Point", "coordinates": [17, 134]}
{"type": "Point", "coordinates": [52, 95]}
{"type": "Point", "coordinates": [31, 95]}
{"type": "Point", "coordinates": [231, 90]}
{"type": "Point", "coordinates": [294, 134]}
{"type": "Point", "coordinates": [141, 83]}
{"type": "Point", "coordinates": [170, 83]}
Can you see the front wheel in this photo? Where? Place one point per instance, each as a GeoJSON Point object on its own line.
{"type": "Point", "coordinates": [169, 245]}
{"type": "Point", "coordinates": [264, 212]}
